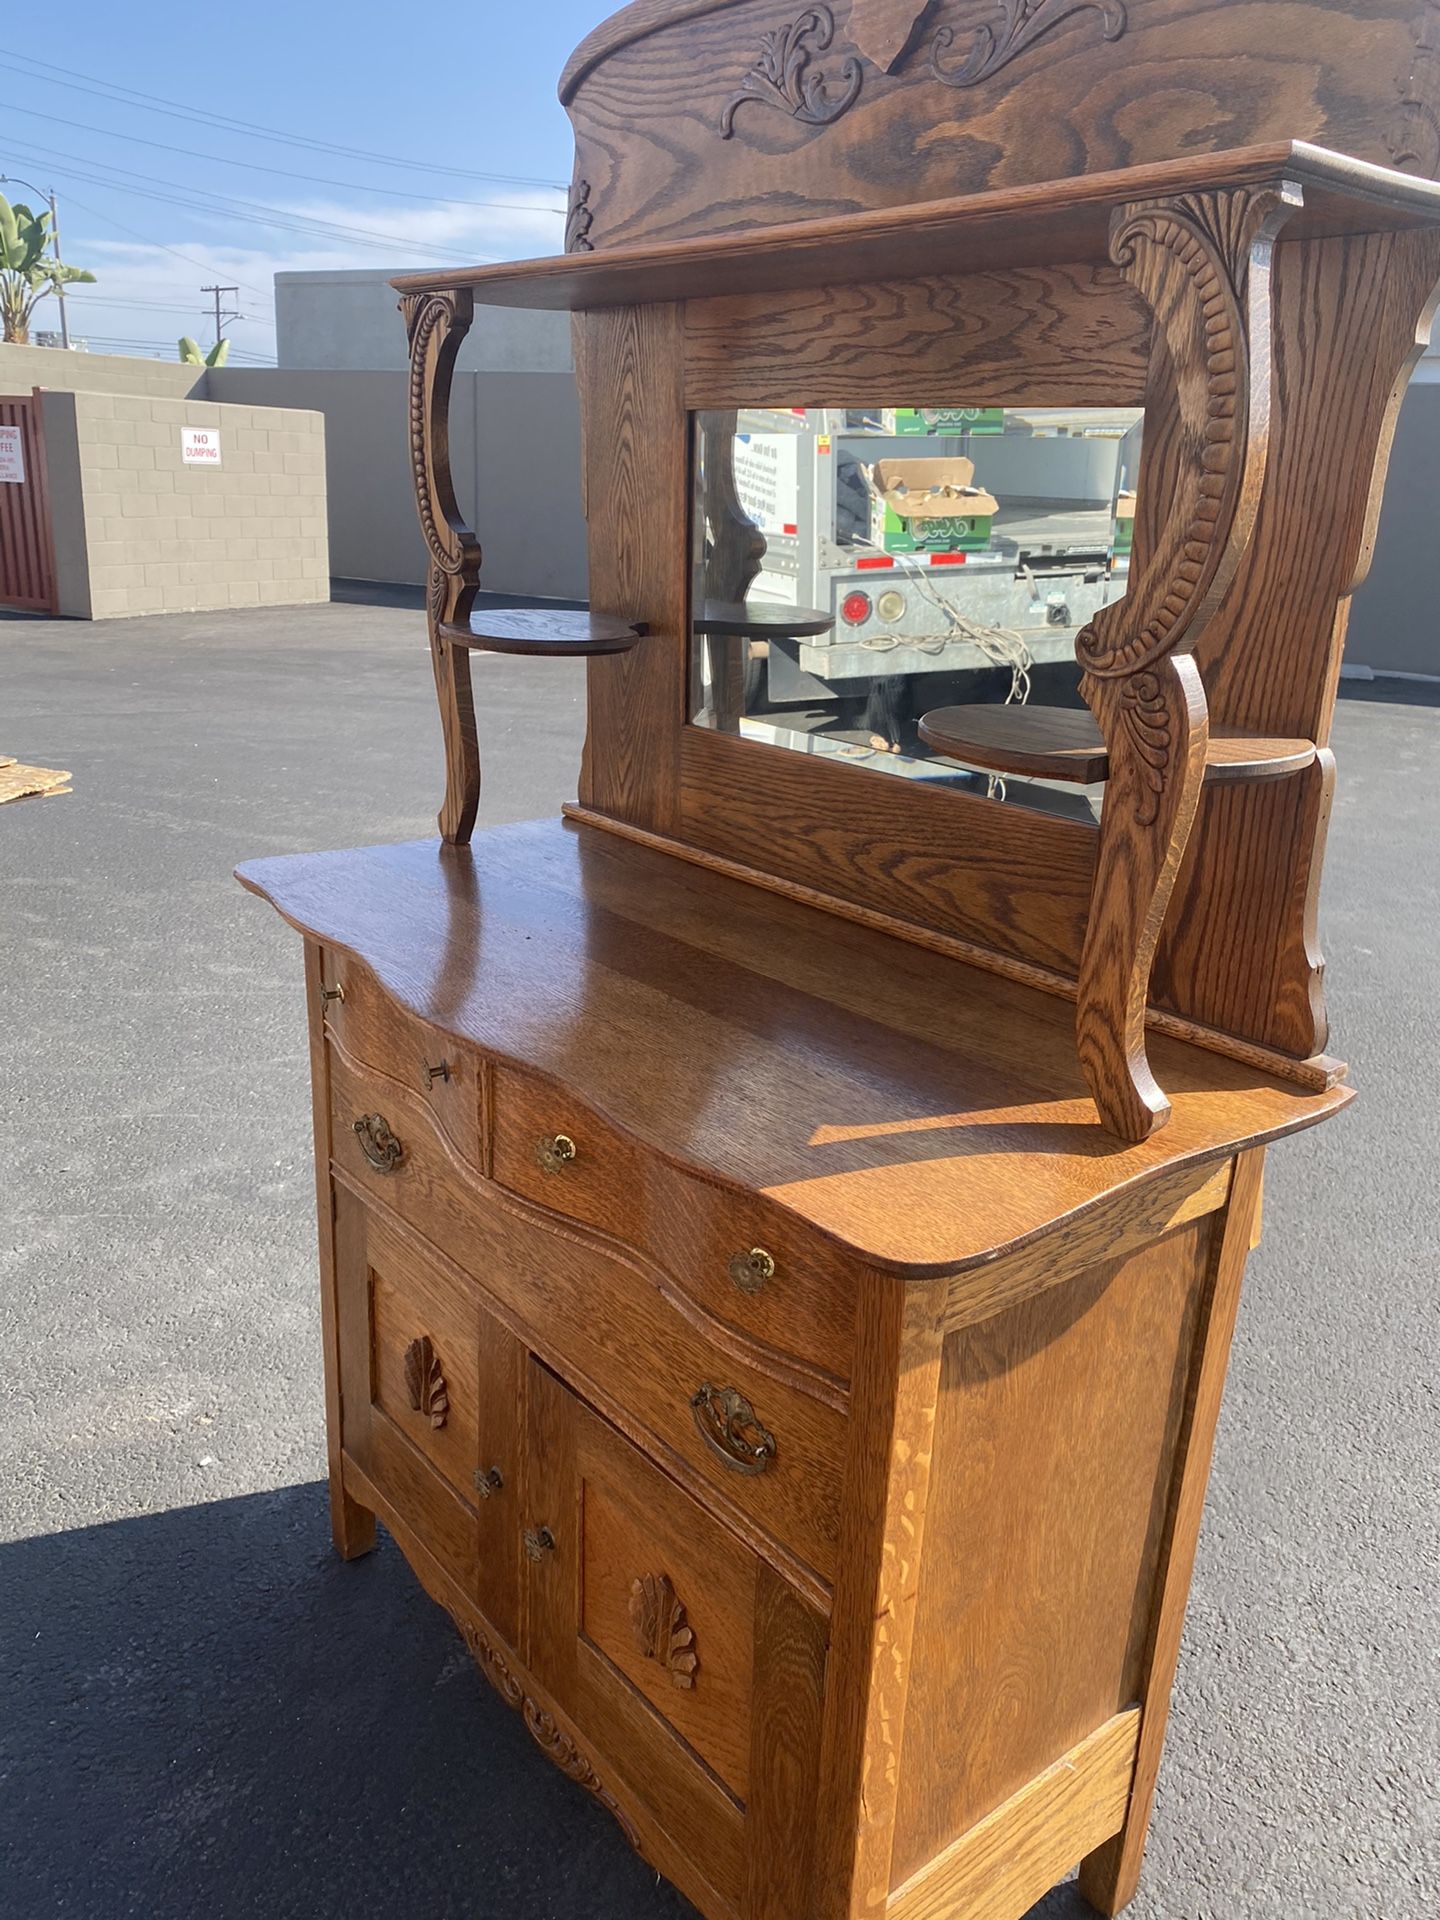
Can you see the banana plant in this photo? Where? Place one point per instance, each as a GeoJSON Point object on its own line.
{"type": "Point", "coordinates": [27, 270]}
{"type": "Point", "coordinates": [191, 356]}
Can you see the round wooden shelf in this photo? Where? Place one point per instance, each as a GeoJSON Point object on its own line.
{"type": "Point", "coordinates": [1064, 743]}
{"type": "Point", "coordinates": [542, 630]}
{"type": "Point", "coordinates": [760, 620]}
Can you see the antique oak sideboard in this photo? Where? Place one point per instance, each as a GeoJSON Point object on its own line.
{"type": "Point", "coordinates": [781, 1224]}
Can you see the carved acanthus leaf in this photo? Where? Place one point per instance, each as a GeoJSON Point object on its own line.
{"type": "Point", "coordinates": [1024, 22]}
{"type": "Point", "coordinates": [1146, 719]}
{"type": "Point", "coordinates": [425, 1381]}
{"type": "Point", "coordinates": [662, 1631]}
{"type": "Point", "coordinates": [1202, 263]}
{"type": "Point", "coordinates": [782, 76]}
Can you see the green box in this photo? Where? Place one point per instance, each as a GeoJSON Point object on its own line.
{"type": "Point", "coordinates": [933, 420]}
{"type": "Point", "coordinates": [941, 533]}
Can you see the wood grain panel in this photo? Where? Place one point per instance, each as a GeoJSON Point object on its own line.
{"type": "Point", "coordinates": [1059, 336]}
{"type": "Point", "coordinates": [1111, 1875]}
{"type": "Point", "coordinates": [785, 1730]}
{"type": "Point", "coordinates": [635, 442]}
{"type": "Point", "coordinates": [1016, 1854]}
{"type": "Point", "coordinates": [351, 1526]}
{"type": "Point", "coordinates": [1055, 1436]}
{"type": "Point", "coordinates": [1348, 315]}
{"type": "Point", "coordinates": [647, 90]}
{"type": "Point", "coordinates": [888, 1486]}
{"type": "Point", "coordinates": [995, 875]}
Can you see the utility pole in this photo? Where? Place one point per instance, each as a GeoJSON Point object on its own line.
{"type": "Point", "coordinates": [221, 318]}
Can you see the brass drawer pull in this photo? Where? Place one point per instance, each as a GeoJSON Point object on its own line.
{"type": "Point", "coordinates": [751, 1270]}
{"type": "Point", "coordinates": [538, 1542]}
{"type": "Point", "coordinates": [327, 994]}
{"type": "Point", "coordinates": [432, 1074]}
{"type": "Point", "coordinates": [555, 1153]}
{"type": "Point", "coordinates": [488, 1483]}
{"type": "Point", "coordinates": [378, 1143]}
{"type": "Point", "coordinates": [726, 1423]}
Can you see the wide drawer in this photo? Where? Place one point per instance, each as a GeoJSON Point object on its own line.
{"type": "Point", "coordinates": [771, 1451]}
{"type": "Point", "coordinates": [737, 1255]}
{"type": "Point", "coordinates": [376, 1033]}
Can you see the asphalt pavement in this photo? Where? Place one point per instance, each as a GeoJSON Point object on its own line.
{"type": "Point", "coordinates": [202, 1711]}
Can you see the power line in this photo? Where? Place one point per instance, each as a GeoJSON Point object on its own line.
{"type": "Point", "coordinates": [87, 300]}
{"type": "Point", "coordinates": [155, 104]}
{"type": "Point", "coordinates": [158, 245]}
{"type": "Point", "coordinates": [285, 173]}
{"type": "Point", "coordinates": [254, 213]}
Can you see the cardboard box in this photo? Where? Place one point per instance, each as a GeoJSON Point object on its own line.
{"type": "Point", "coordinates": [930, 506]}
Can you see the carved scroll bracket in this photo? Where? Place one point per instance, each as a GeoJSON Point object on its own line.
{"type": "Point", "coordinates": [1202, 262]}
{"type": "Point", "coordinates": [436, 324]}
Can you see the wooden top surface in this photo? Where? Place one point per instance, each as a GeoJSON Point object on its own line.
{"type": "Point", "coordinates": [922, 1112]}
{"type": "Point", "coordinates": [1061, 220]}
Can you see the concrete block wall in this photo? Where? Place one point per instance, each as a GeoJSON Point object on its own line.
{"type": "Point", "coordinates": [145, 533]}
{"type": "Point", "coordinates": [22, 368]}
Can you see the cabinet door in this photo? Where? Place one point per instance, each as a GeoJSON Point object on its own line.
{"type": "Point", "coordinates": [431, 1407]}
{"type": "Point", "coordinates": [688, 1662]}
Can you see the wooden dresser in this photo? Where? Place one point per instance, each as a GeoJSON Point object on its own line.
{"type": "Point", "coordinates": [781, 1224]}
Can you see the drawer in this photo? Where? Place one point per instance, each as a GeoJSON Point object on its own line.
{"type": "Point", "coordinates": [431, 1390]}
{"type": "Point", "coordinates": [736, 1255]}
{"type": "Point", "coordinates": [771, 1451]}
{"type": "Point", "coordinates": [376, 1033]}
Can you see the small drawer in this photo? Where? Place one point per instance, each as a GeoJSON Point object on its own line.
{"type": "Point", "coordinates": [376, 1033]}
{"type": "Point", "coordinates": [553, 1150]}
{"type": "Point", "coordinates": [737, 1255]}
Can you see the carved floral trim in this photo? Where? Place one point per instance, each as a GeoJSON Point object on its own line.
{"type": "Point", "coordinates": [544, 1729]}
{"type": "Point", "coordinates": [579, 220]}
{"type": "Point", "coordinates": [662, 1631]}
{"type": "Point", "coordinates": [1024, 23]}
{"type": "Point", "coordinates": [782, 77]}
{"type": "Point", "coordinates": [425, 1381]}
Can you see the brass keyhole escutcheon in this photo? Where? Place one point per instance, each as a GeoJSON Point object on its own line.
{"type": "Point", "coordinates": [378, 1144]}
{"type": "Point", "coordinates": [538, 1542]}
{"type": "Point", "coordinates": [487, 1484]}
{"type": "Point", "coordinates": [556, 1152]}
{"type": "Point", "coordinates": [751, 1270]}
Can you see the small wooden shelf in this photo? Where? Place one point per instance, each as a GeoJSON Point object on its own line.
{"type": "Point", "coordinates": [542, 630]}
{"type": "Point", "coordinates": [760, 620]}
{"type": "Point", "coordinates": [1064, 743]}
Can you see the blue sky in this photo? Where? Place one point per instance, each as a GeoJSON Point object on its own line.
{"type": "Point", "coordinates": [472, 90]}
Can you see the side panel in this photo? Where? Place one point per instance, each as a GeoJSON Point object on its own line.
{"type": "Point", "coordinates": [1054, 1449]}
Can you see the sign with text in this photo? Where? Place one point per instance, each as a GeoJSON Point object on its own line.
{"type": "Point", "coordinates": [200, 446]}
{"type": "Point", "coordinates": [12, 457]}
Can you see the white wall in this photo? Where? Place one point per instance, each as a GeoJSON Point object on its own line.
{"type": "Point", "coordinates": [351, 321]}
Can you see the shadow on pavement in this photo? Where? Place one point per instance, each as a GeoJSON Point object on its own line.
{"type": "Point", "coordinates": [206, 1712]}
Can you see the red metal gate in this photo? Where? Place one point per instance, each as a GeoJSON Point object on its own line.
{"type": "Point", "coordinates": [27, 554]}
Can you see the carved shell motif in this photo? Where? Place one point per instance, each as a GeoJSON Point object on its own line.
{"type": "Point", "coordinates": [425, 1381]}
{"type": "Point", "coordinates": [661, 1630]}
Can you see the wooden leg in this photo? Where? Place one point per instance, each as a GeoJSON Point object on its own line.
{"type": "Point", "coordinates": [1110, 1876]}
{"type": "Point", "coordinates": [1156, 727]}
{"type": "Point", "coordinates": [352, 1527]}
{"type": "Point", "coordinates": [454, 691]}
